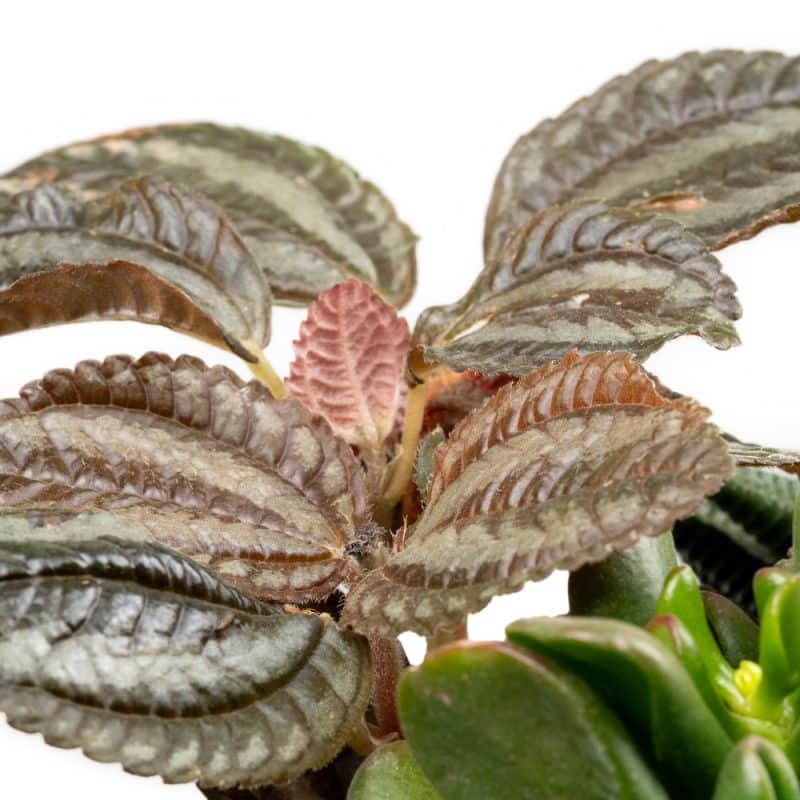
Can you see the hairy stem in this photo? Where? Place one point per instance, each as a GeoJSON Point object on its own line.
{"type": "Point", "coordinates": [388, 663]}
{"type": "Point", "coordinates": [265, 372]}
{"type": "Point", "coordinates": [796, 537]}
{"type": "Point", "coordinates": [404, 465]}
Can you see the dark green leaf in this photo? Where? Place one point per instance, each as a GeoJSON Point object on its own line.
{"type": "Point", "coordinates": [489, 721]}
{"type": "Point", "coordinates": [258, 490]}
{"type": "Point", "coordinates": [646, 685]}
{"type": "Point", "coordinates": [745, 526]}
{"type": "Point", "coordinates": [735, 631]}
{"type": "Point", "coordinates": [140, 656]}
{"type": "Point", "coordinates": [308, 218]}
{"type": "Point", "coordinates": [756, 770]}
{"type": "Point", "coordinates": [568, 465]}
{"type": "Point", "coordinates": [584, 276]}
{"type": "Point", "coordinates": [149, 251]}
{"type": "Point", "coordinates": [625, 586]}
{"type": "Point", "coordinates": [710, 138]}
{"type": "Point", "coordinates": [391, 773]}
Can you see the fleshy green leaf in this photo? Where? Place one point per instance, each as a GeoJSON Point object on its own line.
{"type": "Point", "coordinates": [756, 770]}
{"type": "Point", "coordinates": [308, 218]}
{"type": "Point", "coordinates": [189, 456]}
{"type": "Point", "coordinates": [391, 773]}
{"type": "Point", "coordinates": [710, 138]}
{"type": "Point", "coordinates": [573, 462]}
{"type": "Point", "coordinates": [350, 364]}
{"type": "Point", "coordinates": [745, 526]}
{"type": "Point", "coordinates": [646, 685]}
{"type": "Point", "coordinates": [625, 586]}
{"type": "Point", "coordinates": [140, 656]}
{"type": "Point", "coordinates": [735, 631]}
{"type": "Point", "coordinates": [148, 251]}
{"type": "Point", "coordinates": [584, 276]}
{"type": "Point", "coordinates": [488, 721]}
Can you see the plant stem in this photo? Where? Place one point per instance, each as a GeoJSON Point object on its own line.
{"type": "Point", "coordinates": [388, 663]}
{"type": "Point", "coordinates": [412, 425]}
{"type": "Point", "coordinates": [265, 372]}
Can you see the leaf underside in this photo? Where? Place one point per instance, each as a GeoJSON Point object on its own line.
{"type": "Point", "coordinates": [308, 218]}
{"type": "Point", "coordinates": [756, 455]}
{"type": "Point", "coordinates": [140, 656]}
{"type": "Point", "coordinates": [188, 456]}
{"type": "Point", "coordinates": [584, 276]}
{"type": "Point", "coordinates": [349, 364]}
{"type": "Point", "coordinates": [147, 251]}
{"type": "Point", "coordinates": [712, 139]}
{"type": "Point", "coordinates": [567, 465]}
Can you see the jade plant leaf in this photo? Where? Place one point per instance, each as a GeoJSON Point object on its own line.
{"type": "Point", "coordinates": [350, 362]}
{"type": "Point", "coordinates": [147, 251]}
{"type": "Point", "coordinates": [140, 656]}
{"type": "Point", "coordinates": [745, 526]}
{"type": "Point", "coordinates": [308, 218]}
{"type": "Point", "coordinates": [757, 770]}
{"type": "Point", "coordinates": [391, 773]}
{"type": "Point", "coordinates": [491, 721]}
{"type": "Point", "coordinates": [258, 490]}
{"type": "Point", "coordinates": [584, 276]}
{"type": "Point", "coordinates": [735, 631]}
{"type": "Point", "coordinates": [626, 585]}
{"type": "Point", "coordinates": [646, 685]}
{"type": "Point", "coordinates": [709, 138]}
{"type": "Point", "coordinates": [569, 464]}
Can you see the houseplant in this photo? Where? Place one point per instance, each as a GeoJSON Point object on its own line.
{"type": "Point", "coordinates": [205, 579]}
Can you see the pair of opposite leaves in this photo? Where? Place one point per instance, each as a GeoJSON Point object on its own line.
{"type": "Point", "coordinates": [709, 139]}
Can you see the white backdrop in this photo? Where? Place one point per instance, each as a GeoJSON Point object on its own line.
{"type": "Point", "coordinates": [422, 98]}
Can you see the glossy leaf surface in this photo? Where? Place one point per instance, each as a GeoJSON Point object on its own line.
{"type": "Point", "coordinates": [709, 138]}
{"type": "Point", "coordinates": [308, 218]}
{"type": "Point", "coordinates": [625, 586]}
{"type": "Point", "coordinates": [735, 630]}
{"type": "Point", "coordinates": [584, 276]}
{"type": "Point", "coordinates": [148, 251]}
{"type": "Point", "coordinates": [391, 773]}
{"type": "Point", "coordinates": [140, 656]}
{"type": "Point", "coordinates": [646, 685]}
{"type": "Point", "coordinates": [490, 721]}
{"type": "Point", "coordinates": [757, 770]}
{"type": "Point", "coordinates": [573, 462]}
{"type": "Point", "coordinates": [191, 457]}
{"type": "Point", "coordinates": [350, 363]}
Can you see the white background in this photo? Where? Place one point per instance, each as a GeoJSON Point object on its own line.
{"type": "Point", "coordinates": [424, 99]}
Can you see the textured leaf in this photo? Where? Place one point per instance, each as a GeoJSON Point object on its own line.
{"type": "Point", "coordinates": [391, 773]}
{"type": "Point", "coordinates": [756, 455]}
{"type": "Point", "coordinates": [489, 721]}
{"type": "Point", "coordinates": [710, 138]}
{"type": "Point", "coordinates": [329, 783]}
{"type": "Point", "coordinates": [149, 251]}
{"type": "Point", "coordinates": [569, 464]}
{"type": "Point", "coordinates": [350, 363]}
{"type": "Point", "coordinates": [745, 526]}
{"type": "Point", "coordinates": [756, 770]}
{"type": "Point", "coordinates": [189, 456]}
{"type": "Point", "coordinates": [426, 462]}
{"type": "Point", "coordinates": [451, 396]}
{"type": "Point", "coordinates": [309, 219]}
{"type": "Point", "coordinates": [646, 685]}
{"type": "Point", "coordinates": [139, 656]}
{"type": "Point", "coordinates": [589, 277]}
